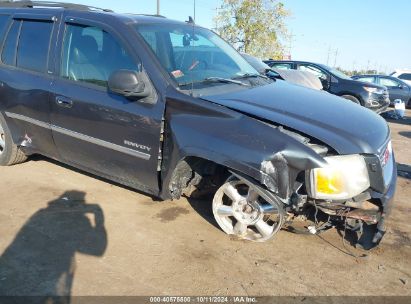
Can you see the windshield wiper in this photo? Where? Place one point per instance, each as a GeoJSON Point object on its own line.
{"type": "Point", "coordinates": [224, 80]}
{"type": "Point", "coordinates": [213, 79]}
{"type": "Point", "coordinates": [250, 75]}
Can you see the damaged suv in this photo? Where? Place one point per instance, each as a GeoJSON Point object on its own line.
{"type": "Point", "coordinates": [169, 108]}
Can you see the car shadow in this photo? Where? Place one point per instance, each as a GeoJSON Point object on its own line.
{"type": "Point", "coordinates": [405, 134]}
{"type": "Point", "coordinates": [41, 259]}
{"type": "Point", "coordinates": [38, 157]}
{"type": "Point", "coordinates": [390, 117]}
{"type": "Point", "coordinates": [203, 206]}
{"type": "Point", "coordinates": [404, 170]}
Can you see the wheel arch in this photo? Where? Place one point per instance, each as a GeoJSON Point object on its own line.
{"type": "Point", "coordinates": [16, 132]}
{"type": "Point", "coordinates": [344, 93]}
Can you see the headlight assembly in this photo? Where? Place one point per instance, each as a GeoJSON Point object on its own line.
{"type": "Point", "coordinates": [343, 178]}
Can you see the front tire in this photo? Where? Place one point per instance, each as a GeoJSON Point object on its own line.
{"type": "Point", "coordinates": [10, 154]}
{"type": "Point", "coordinates": [246, 210]}
{"type": "Point", "coordinates": [352, 98]}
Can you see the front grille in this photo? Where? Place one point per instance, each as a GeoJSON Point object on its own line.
{"type": "Point", "coordinates": [386, 158]}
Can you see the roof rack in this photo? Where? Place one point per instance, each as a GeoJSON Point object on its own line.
{"type": "Point", "coordinates": [33, 4]}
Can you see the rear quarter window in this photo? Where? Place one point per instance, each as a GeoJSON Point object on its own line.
{"type": "Point", "coordinates": [281, 66]}
{"type": "Point", "coordinates": [8, 55]}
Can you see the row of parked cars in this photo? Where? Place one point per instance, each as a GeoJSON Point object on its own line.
{"type": "Point", "coordinates": [375, 92]}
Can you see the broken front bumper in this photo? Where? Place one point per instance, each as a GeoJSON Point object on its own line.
{"type": "Point", "coordinates": [373, 232]}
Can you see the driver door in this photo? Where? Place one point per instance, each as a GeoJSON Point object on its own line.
{"type": "Point", "coordinates": [93, 128]}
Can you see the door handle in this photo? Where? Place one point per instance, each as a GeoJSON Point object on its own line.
{"type": "Point", "coordinates": [64, 102]}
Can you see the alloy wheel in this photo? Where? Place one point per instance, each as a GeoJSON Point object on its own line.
{"type": "Point", "coordinates": [244, 210]}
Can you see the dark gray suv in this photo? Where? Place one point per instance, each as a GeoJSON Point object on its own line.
{"type": "Point", "coordinates": [171, 109]}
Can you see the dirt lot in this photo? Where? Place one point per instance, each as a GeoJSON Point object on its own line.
{"type": "Point", "coordinates": [120, 242]}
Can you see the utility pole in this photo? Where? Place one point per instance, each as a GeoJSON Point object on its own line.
{"type": "Point", "coordinates": [158, 7]}
{"type": "Point", "coordinates": [328, 55]}
{"type": "Point", "coordinates": [335, 58]}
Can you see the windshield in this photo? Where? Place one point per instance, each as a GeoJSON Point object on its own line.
{"type": "Point", "coordinates": [256, 63]}
{"type": "Point", "coordinates": [192, 55]}
{"type": "Point", "coordinates": [339, 73]}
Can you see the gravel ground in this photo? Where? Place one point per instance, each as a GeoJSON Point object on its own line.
{"type": "Point", "coordinates": [63, 232]}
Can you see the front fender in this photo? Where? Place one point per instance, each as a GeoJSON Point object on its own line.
{"type": "Point", "coordinates": [241, 143]}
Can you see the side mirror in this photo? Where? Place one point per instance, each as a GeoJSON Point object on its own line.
{"type": "Point", "coordinates": [128, 83]}
{"type": "Point", "coordinates": [326, 83]}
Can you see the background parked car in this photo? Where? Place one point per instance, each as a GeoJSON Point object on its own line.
{"type": "Point", "coordinates": [369, 95]}
{"type": "Point", "coordinates": [397, 88]}
{"type": "Point", "coordinates": [404, 75]}
{"type": "Point", "coordinates": [297, 77]}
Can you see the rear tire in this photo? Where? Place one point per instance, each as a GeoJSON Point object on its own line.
{"type": "Point", "coordinates": [351, 98]}
{"type": "Point", "coordinates": [10, 154]}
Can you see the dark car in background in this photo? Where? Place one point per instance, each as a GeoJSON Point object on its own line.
{"type": "Point", "coordinates": [404, 75]}
{"type": "Point", "coordinates": [369, 95]}
{"type": "Point", "coordinates": [297, 77]}
{"type": "Point", "coordinates": [397, 88]}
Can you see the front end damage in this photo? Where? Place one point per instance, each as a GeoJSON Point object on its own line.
{"type": "Point", "coordinates": [362, 215]}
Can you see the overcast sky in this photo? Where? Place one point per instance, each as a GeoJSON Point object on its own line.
{"type": "Point", "coordinates": [350, 33]}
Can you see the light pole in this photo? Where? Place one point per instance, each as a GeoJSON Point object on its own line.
{"type": "Point", "coordinates": [158, 7]}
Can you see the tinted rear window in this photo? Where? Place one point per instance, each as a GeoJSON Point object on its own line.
{"type": "Point", "coordinates": [405, 76]}
{"type": "Point", "coordinates": [34, 45]}
{"type": "Point", "coordinates": [8, 55]}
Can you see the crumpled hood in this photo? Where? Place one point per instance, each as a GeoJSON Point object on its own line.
{"type": "Point", "coordinates": [346, 127]}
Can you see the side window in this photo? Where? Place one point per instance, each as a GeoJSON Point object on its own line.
{"type": "Point", "coordinates": [90, 55]}
{"type": "Point", "coordinates": [33, 47]}
{"type": "Point", "coordinates": [313, 70]}
{"type": "Point", "coordinates": [387, 82]}
{"type": "Point", "coordinates": [8, 56]}
{"type": "Point", "coordinates": [405, 76]}
{"type": "Point", "coordinates": [367, 79]}
{"type": "Point", "coordinates": [281, 66]}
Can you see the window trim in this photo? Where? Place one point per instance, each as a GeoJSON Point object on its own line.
{"type": "Point", "coordinates": [71, 20]}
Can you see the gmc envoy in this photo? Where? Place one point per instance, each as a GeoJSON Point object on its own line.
{"type": "Point", "coordinates": [171, 109]}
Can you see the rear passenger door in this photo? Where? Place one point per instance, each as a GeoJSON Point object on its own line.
{"type": "Point", "coordinates": [95, 129]}
{"type": "Point", "coordinates": [25, 79]}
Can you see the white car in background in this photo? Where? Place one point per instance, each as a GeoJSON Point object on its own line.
{"type": "Point", "coordinates": [404, 75]}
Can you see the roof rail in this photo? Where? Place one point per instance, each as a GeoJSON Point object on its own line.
{"type": "Point", "coordinates": [32, 4]}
